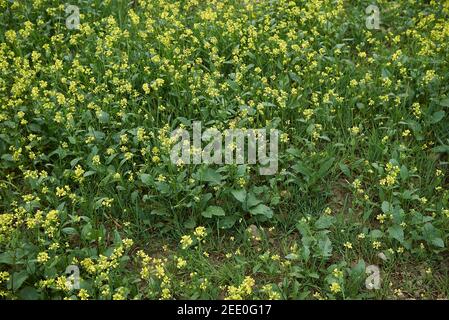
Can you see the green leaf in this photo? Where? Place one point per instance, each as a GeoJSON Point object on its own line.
{"type": "Point", "coordinates": [69, 231]}
{"type": "Point", "coordinates": [88, 173]}
{"type": "Point", "coordinates": [163, 187]}
{"type": "Point", "coordinates": [396, 232]}
{"type": "Point", "coordinates": [387, 207]}
{"type": "Point", "coordinates": [437, 117]}
{"type": "Point", "coordinates": [213, 211]}
{"type": "Point", "coordinates": [159, 212]}
{"type": "Point", "coordinates": [441, 149]}
{"type": "Point", "coordinates": [262, 209]}
{"type": "Point", "coordinates": [103, 117]}
{"type": "Point", "coordinates": [302, 168]}
{"type": "Point", "coordinates": [444, 102]}
{"type": "Point", "coordinates": [86, 232]}
{"type": "Point", "coordinates": [344, 168]}
{"type": "Point", "coordinates": [324, 222]}
{"type": "Point", "coordinates": [324, 168]}
{"type": "Point", "coordinates": [252, 201]}
{"type": "Point", "coordinates": [74, 162]}
{"type": "Point", "coordinates": [7, 258]}
{"type": "Point", "coordinates": [239, 195]}
{"type": "Point", "coordinates": [438, 242]}
{"type": "Point", "coordinates": [117, 237]}
{"type": "Point", "coordinates": [375, 234]}
{"type": "Point", "coordinates": [134, 196]}
{"type": "Point", "coordinates": [145, 178]}
{"type": "Point", "coordinates": [190, 223]}
{"type": "Point", "coordinates": [210, 175]}
{"type": "Point", "coordinates": [204, 200]}
{"type": "Point", "coordinates": [324, 245]}
{"type": "Point", "coordinates": [294, 77]}
{"type": "Point", "coordinates": [227, 222]}
{"type": "Point", "coordinates": [29, 293]}
{"type": "Point", "coordinates": [429, 232]}
{"type": "Point", "coordinates": [17, 279]}
{"type": "Point", "coordinates": [404, 173]}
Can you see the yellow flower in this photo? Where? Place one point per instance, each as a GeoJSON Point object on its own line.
{"type": "Point", "coordinates": [96, 160]}
{"type": "Point", "coordinates": [83, 294]}
{"type": "Point", "coordinates": [107, 202]}
{"type": "Point", "coordinates": [284, 138]}
{"type": "Point", "coordinates": [200, 232]}
{"type": "Point", "coordinates": [180, 263]}
{"type": "Point", "coordinates": [128, 243]}
{"type": "Point", "coordinates": [42, 257]}
{"type": "Point", "coordinates": [79, 171]}
{"type": "Point", "coordinates": [119, 295]}
{"type": "Point", "coordinates": [376, 244]}
{"type": "Point", "coordinates": [4, 276]}
{"type": "Point", "coordinates": [272, 295]}
{"type": "Point", "coordinates": [204, 284]}
{"type": "Point", "coordinates": [381, 217]}
{"type": "Point", "coordinates": [248, 284]}
{"type": "Point", "coordinates": [354, 130]}
{"type": "Point", "coordinates": [165, 294]}
{"type": "Point", "coordinates": [10, 35]}
{"type": "Point", "coordinates": [337, 273]}
{"type": "Point", "coordinates": [186, 241]}
{"type": "Point", "coordinates": [348, 245]}
{"type": "Point", "coordinates": [275, 257]}
{"type": "Point", "coordinates": [146, 88]}
{"type": "Point", "coordinates": [60, 192]}
{"type": "Point", "coordinates": [416, 109]}
{"type": "Point", "coordinates": [318, 296]}
{"type": "Point", "coordinates": [335, 287]}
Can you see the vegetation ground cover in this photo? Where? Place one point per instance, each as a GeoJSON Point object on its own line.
{"type": "Point", "coordinates": [85, 171]}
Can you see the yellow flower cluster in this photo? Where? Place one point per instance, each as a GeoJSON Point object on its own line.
{"type": "Point", "coordinates": [392, 174]}
{"type": "Point", "coordinates": [245, 289]}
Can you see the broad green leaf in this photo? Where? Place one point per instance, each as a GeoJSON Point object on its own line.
{"type": "Point", "coordinates": [252, 201]}
{"type": "Point", "coordinates": [17, 279]}
{"type": "Point", "coordinates": [375, 234]}
{"type": "Point", "coordinates": [69, 231]}
{"type": "Point", "coordinates": [387, 207]}
{"type": "Point", "coordinates": [438, 242]}
{"type": "Point", "coordinates": [324, 222]}
{"type": "Point", "coordinates": [145, 178]}
{"type": "Point", "coordinates": [190, 223]}
{"type": "Point", "coordinates": [404, 173]}
{"type": "Point", "coordinates": [210, 175]}
{"type": "Point", "coordinates": [240, 195]}
{"type": "Point", "coordinates": [213, 211]}
{"type": "Point", "coordinates": [29, 293]}
{"type": "Point", "coordinates": [441, 149]}
{"type": "Point", "coordinates": [444, 102]}
{"type": "Point", "coordinates": [302, 168]}
{"type": "Point", "coordinates": [396, 232]}
{"type": "Point", "coordinates": [7, 258]}
{"type": "Point", "coordinates": [262, 209]}
{"type": "Point", "coordinates": [437, 117]}
{"type": "Point", "coordinates": [86, 232]}
{"type": "Point", "coordinates": [344, 168]}
{"type": "Point", "coordinates": [324, 168]}
{"type": "Point", "coordinates": [227, 222]}
{"type": "Point", "coordinates": [324, 245]}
